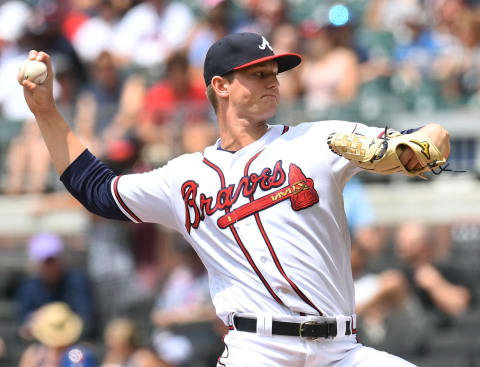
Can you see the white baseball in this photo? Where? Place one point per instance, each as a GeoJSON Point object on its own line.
{"type": "Point", "coordinates": [35, 71]}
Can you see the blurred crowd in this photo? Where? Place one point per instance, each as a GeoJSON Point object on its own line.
{"type": "Point", "coordinates": [129, 72]}
{"type": "Point", "coordinates": [129, 80]}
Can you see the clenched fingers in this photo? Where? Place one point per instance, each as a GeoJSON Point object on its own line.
{"type": "Point", "coordinates": [409, 160]}
{"type": "Point", "coordinates": [39, 56]}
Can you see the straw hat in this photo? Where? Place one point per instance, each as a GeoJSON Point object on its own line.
{"type": "Point", "coordinates": [56, 325]}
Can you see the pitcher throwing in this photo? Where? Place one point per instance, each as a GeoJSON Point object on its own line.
{"type": "Point", "coordinates": [262, 207]}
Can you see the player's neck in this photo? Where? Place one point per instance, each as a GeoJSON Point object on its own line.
{"type": "Point", "coordinates": [238, 133]}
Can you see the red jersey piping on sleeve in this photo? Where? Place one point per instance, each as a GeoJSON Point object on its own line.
{"type": "Point", "coordinates": [121, 204]}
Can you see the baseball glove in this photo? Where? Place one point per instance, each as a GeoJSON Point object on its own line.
{"type": "Point", "coordinates": [382, 155]}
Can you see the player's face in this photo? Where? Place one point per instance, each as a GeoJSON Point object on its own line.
{"type": "Point", "coordinates": [253, 92]}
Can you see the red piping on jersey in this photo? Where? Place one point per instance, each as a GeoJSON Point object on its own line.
{"type": "Point", "coordinates": [252, 264]}
{"type": "Point", "coordinates": [237, 238]}
{"type": "Point", "coordinates": [272, 251]}
{"type": "Point", "coordinates": [285, 129]}
{"type": "Point", "coordinates": [219, 173]}
{"type": "Point", "coordinates": [122, 203]}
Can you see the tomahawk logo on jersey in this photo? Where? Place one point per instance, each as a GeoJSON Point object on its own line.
{"type": "Point", "coordinates": [299, 190]}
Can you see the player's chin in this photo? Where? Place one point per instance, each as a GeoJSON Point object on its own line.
{"type": "Point", "coordinates": [269, 109]}
{"type": "Point", "coordinates": [266, 115]}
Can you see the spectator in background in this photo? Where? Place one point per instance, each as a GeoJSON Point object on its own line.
{"type": "Point", "coordinates": [418, 49]}
{"type": "Point", "coordinates": [123, 347]}
{"type": "Point", "coordinates": [150, 31]}
{"type": "Point", "coordinates": [197, 136]}
{"type": "Point", "coordinates": [383, 304]}
{"type": "Point", "coordinates": [330, 70]}
{"type": "Point", "coordinates": [215, 26]}
{"type": "Point", "coordinates": [176, 91]}
{"type": "Point", "coordinates": [38, 27]}
{"type": "Point", "coordinates": [285, 39]}
{"type": "Point", "coordinates": [146, 357]}
{"type": "Point", "coordinates": [55, 327]}
{"type": "Point", "coordinates": [95, 34]}
{"type": "Point", "coordinates": [442, 290]}
{"type": "Point", "coordinates": [53, 282]}
{"type": "Point", "coordinates": [99, 103]}
{"type": "Point", "coordinates": [121, 341]}
{"type": "Point", "coordinates": [459, 64]}
{"type": "Point", "coordinates": [263, 16]}
{"type": "Point", "coordinates": [415, 59]}
{"type": "Point", "coordinates": [390, 15]}
{"type": "Point", "coordinates": [27, 159]}
{"type": "Point", "coordinates": [14, 17]}
{"type": "Point", "coordinates": [122, 129]}
{"type": "Point", "coordinates": [361, 218]}
{"type": "Point", "coordinates": [383, 301]}
{"type": "Point", "coordinates": [28, 162]}
{"type": "Point", "coordinates": [171, 103]}
{"type": "Point", "coordinates": [183, 314]}
{"type": "Point", "coordinates": [448, 13]}
{"type": "Point", "coordinates": [111, 267]}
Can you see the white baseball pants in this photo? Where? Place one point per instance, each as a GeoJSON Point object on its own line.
{"type": "Point", "coordinates": [245, 349]}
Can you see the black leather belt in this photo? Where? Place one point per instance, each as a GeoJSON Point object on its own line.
{"type": "Point", "coordinates": [307, 330]}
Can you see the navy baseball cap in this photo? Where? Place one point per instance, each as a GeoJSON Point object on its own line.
{"type": "Point", "coordinates": [240, 50]}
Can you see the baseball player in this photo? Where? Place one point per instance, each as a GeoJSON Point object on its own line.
{"type": "Point", "coordinates": [262, 207]}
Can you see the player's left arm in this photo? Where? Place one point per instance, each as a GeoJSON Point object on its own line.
{"type": "Point", "coordinates": [412, 152]}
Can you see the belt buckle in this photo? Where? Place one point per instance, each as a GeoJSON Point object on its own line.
{"type": "Point", "coordinates": [301, 329]}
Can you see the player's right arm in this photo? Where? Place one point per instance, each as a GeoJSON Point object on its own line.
{"type": "Point", "coordinates": [63, 145]}
{"type": "Point", "coordinates": [136, 197]}
{"type": "Point", "coordinates": [85, 177]}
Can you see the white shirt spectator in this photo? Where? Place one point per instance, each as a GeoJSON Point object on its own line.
{"type": "Point", "coordinates": [14, 16]}
{"type": "Point", "coordinates": [93, 36]}
{"type": "Point", "coordinates": [147, 37]}
{"type": "Point", "coordinates": [12, 103]}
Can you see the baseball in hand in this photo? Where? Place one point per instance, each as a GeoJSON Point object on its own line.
{"type": "Point", "coordinates": [33, 70]}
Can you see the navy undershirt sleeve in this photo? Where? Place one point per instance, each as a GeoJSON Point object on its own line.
{"type": "Point", "coordinates": [89, 181]}
{"type": "Point", "coordinates": [409, 131]}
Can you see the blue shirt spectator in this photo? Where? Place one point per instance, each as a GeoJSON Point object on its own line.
{"type": "Point", "coordinates": [358, 208]}
{"type": "Point", "coordinates": [54, 282]}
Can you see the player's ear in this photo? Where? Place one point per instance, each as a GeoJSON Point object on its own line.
{"type": "Point", "coordinates": [221, 86]}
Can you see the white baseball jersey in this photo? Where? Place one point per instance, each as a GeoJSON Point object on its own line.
{"type": "Point", "coordinates": [268, 221]}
